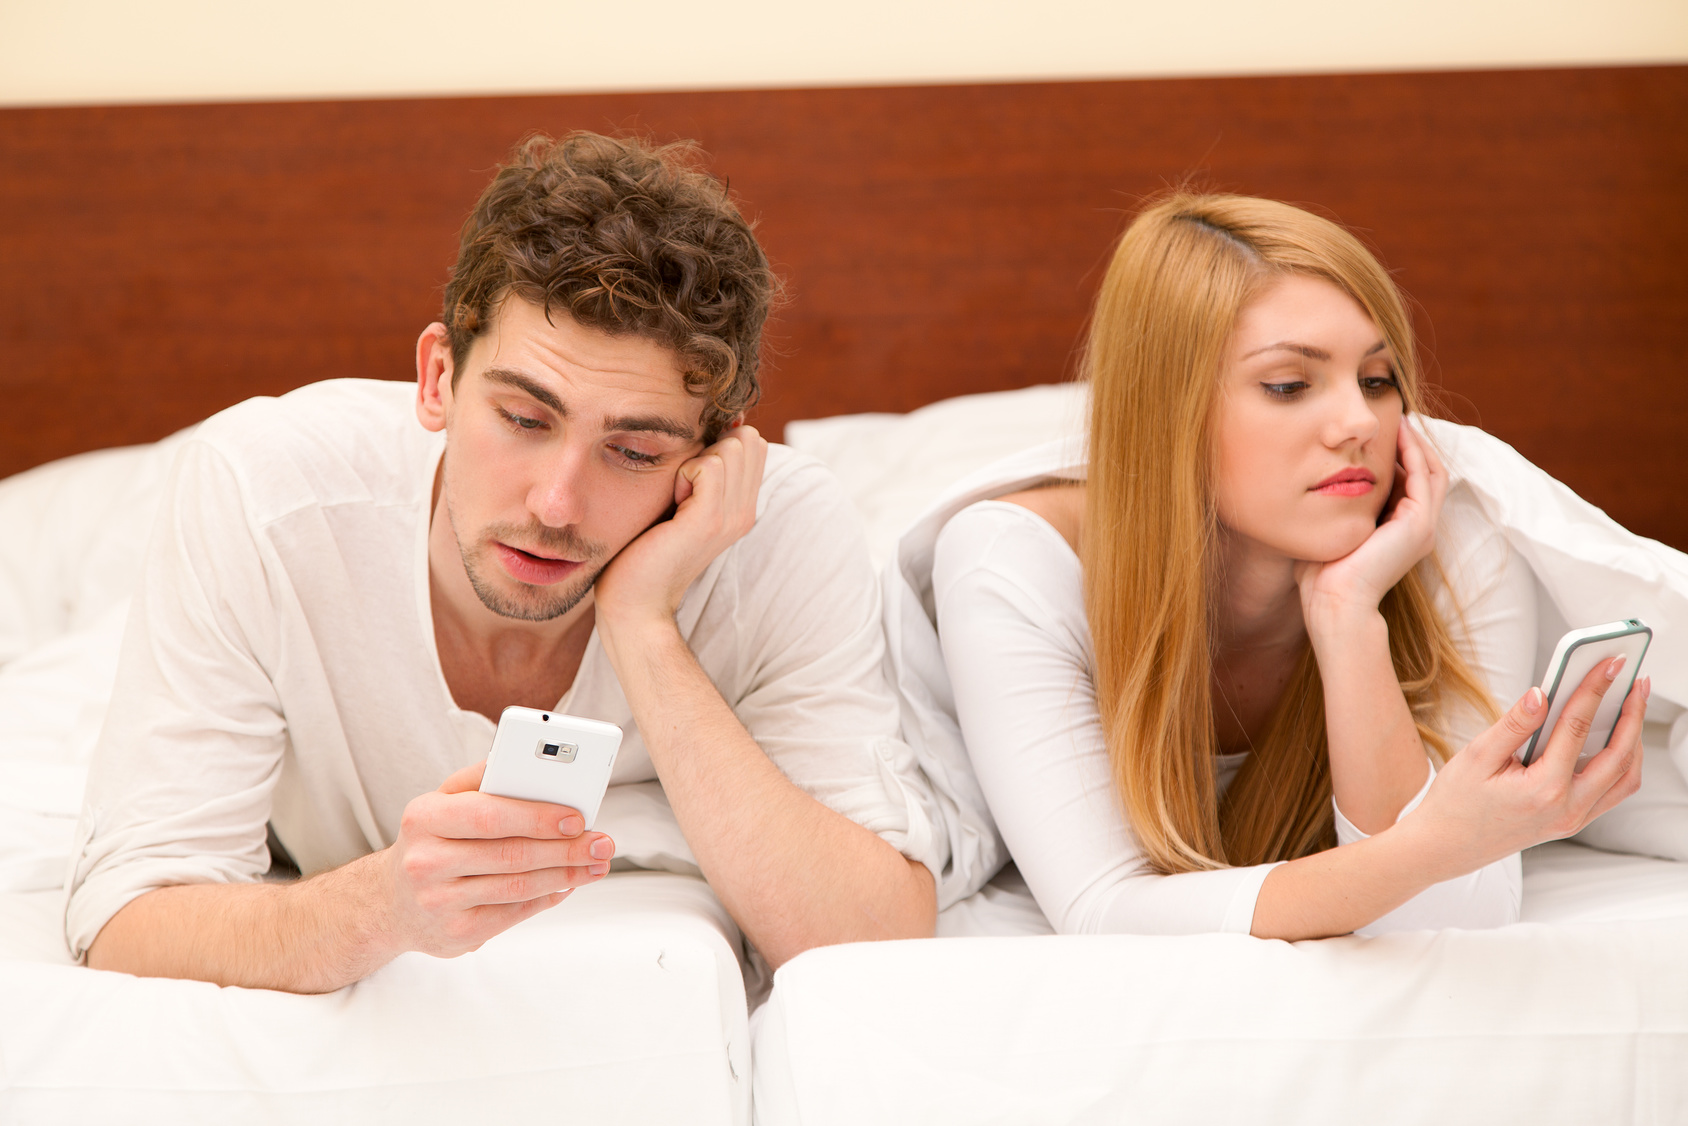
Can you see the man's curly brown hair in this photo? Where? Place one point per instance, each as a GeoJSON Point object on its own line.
{"type": "Point", "coordinates": [625, 237]}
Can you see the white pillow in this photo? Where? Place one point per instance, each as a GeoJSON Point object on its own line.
{"type": "Point", "coordinates": [72, 534]}
{"type": "Point", "coordinates": [893, 465]}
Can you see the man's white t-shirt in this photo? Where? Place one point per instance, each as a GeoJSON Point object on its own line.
{"type": "Point", "coordinates": [1009, 598]}
{"type": "Point", "coordinates": [280, 668]}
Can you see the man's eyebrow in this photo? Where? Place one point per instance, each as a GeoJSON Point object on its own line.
{"type": "Point", "coordinates": [652, 424]}
{"type": "Point", "coordinates": [526, 383]}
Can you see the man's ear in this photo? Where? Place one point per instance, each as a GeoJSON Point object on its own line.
{"type": "Point", "coordinates": [434, 371]}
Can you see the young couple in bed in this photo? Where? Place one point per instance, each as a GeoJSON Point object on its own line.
{"type": "Point", "coordinates": [1244, 668]}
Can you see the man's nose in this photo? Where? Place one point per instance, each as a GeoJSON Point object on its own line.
{"type": "Point", "coordinates": [558, 498]}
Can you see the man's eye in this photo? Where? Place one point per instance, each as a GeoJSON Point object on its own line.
{"type": "Point", "coordinates": [1287, 390]}
{"type": "Point", "coordinates": [522, 420]}
{"type": "Point", "coordinates": [636, 456]}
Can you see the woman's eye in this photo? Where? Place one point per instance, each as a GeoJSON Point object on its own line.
{"type": "Point", "coordinates": [1287, 390]}
{"type": "Point", "coordinates": [1377, 386]}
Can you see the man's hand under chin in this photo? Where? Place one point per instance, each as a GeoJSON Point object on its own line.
{"type": "Point", "coordinates": [466, 866]}
{"type": "Point", "coordinates": [715, 505]}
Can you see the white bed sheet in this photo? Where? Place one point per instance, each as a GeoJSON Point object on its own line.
{"type": "Point", "coordinates": [1578, 1015]}
{"type": "Point", "coordinates": [623, 1004]}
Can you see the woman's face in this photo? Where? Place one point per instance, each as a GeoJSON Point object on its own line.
{"type": "Point", "coordinates": [1306, 422]}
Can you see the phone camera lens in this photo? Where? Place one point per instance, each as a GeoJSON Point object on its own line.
{"type": "Point", "coordinates": [551, 749]}
{"type": "Point", "coordinates": [545, 719]}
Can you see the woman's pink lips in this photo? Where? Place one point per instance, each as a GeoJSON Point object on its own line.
{"type": "Point", "coordinates": [1348, 483]}
{"type": "Point", "coordinates": [535, 570]}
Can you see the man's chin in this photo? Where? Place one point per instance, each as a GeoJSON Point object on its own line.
{"type": "Point", "coordinates": [525, 603]}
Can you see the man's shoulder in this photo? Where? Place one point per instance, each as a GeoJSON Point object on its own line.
{"type": "Point", "coordinates": [335, 442]}
{"type": "Point", "coordinates": [799, 493]}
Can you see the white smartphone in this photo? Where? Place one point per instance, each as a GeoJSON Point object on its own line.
{"type": "Point", "coordinates": [1574, 658]}
{"type": "Point", "coordinates": [550, 757]}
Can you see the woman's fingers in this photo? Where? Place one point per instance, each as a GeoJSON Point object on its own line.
{"type": "Point", "coordinates": [1613, 774]}
{"type": "Point", "coordinates": [1500, 742]}
{"type": "Point", "coordinates": [1565, 741]}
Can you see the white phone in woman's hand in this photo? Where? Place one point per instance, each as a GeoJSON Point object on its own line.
{"type": "Point", "coordinates": [550, 757]}
{"type": "Point", "coordinates": [1573, 659]}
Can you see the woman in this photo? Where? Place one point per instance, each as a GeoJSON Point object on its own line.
{"type": "Point", "coordinates": [1236, 644]}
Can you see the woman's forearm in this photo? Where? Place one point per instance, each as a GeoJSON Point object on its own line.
{"type": "Point", "coordinates": [1376, 755]}
{"type": "Point", "coordinates": [1342, 889]}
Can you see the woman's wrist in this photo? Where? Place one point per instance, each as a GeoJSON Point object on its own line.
{"type": "Point", "coordinates": [1339, 628]}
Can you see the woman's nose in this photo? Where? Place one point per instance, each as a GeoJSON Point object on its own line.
{"type": "Point", "coordinates": [1352, 418]}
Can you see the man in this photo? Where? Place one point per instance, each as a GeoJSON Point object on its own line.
{"type": "Point", "coordinates": [337, 604]}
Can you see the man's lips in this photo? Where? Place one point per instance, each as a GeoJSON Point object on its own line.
{"type": "Point", "coordinates": [535, 570]}
{"type": "Point", "coordinates": [1348, 483]}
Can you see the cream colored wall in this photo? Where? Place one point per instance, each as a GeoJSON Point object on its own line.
{"type": "Point", "coordinates": [67, 51]}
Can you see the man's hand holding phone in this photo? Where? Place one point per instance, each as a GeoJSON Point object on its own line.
{"type": "Point", "coordinates": [467, 865]}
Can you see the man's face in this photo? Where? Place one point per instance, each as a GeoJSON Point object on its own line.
{"type": "Point", "coordinates": [562, 445]}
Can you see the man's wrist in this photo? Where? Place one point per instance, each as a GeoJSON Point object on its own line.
{"type": "Point", "coordinates": [632, 630]}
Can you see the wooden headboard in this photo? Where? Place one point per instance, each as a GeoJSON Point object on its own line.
{"type": "Point", "coordinates": [159, 263]}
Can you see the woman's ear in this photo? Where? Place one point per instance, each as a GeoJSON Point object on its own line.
{"type": "Point", "coordinates": [434, 371]}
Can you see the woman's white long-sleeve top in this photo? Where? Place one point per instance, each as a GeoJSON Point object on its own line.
{"type": "Point", "coordinates": [1008, 594]}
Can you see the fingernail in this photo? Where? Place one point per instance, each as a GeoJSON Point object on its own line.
{"type": "Point", "coordinates": [603, 848]}
{"type": "Point", "coordinates": [599, 869]}
{"type": "Point", "coordinates": [1533, 700]}
{"type": "Point", "coordinates": [571, 826]}
{"type": "Point", "coordinates": [1615, 666]}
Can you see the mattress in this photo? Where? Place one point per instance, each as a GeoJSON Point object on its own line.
{"type": "Point", "coordinates": [1577, 1015]}
{"type": "Point", "coordinates": [623, 1004]}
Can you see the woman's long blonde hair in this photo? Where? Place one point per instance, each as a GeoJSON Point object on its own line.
{"type": "Point", "coordinates": [1178, 280]}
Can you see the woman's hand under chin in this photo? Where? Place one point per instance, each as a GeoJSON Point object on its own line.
{"type": "Point", "coordinates": [1357, 582]}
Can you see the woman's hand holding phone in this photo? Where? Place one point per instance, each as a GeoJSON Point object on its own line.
{"type": "Point", "coordinates": [469, 865]}
{"type": "Point", "coordinates": [1485, 805]}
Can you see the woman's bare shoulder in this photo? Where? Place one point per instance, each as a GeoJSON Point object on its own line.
{"type": "Point", "coordinates": [1060, 503]}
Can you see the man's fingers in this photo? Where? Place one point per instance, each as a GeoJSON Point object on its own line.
{"type": "Point", "coordinates": [1565, 741]}
{"type": "Point", "coordinates": [525, 854]}
{"type": "Point", "coordinates": [469, 778]}
{"type": "Point", "coordinates": [478, 816]}
{"type": "Point", "coordinates": [520, 887]}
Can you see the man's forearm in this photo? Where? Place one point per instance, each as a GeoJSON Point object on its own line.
{"type": "Point", "coordinates": [792, 872]}
{"type": "Point", "coordinates": [313, 936]}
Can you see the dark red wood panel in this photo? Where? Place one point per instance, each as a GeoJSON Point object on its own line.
{"type": "Point", "coordinates": [158, 263]}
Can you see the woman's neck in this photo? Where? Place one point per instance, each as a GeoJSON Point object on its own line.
{"type": "Point", "coordinates": [1259, 602]}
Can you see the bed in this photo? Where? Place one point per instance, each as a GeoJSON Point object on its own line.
{"type": "Point", "coordinates": [939, 241]}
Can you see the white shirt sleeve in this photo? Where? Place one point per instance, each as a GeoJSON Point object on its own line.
{"type": "Point", "coordinates": [1016, 645]}
{"type": "Point", "coordinates": [180, 784]}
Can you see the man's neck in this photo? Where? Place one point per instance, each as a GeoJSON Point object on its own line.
{"type": "Point", "coordinates": [490, 661]}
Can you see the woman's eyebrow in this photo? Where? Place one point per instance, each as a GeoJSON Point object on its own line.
{"type": "Point", "coordinates": [1311, 352]}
